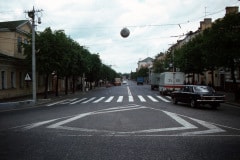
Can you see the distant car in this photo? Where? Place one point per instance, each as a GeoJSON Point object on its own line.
{"type": "Point", "coordinates": [124, 82]}
{"type": "Point", "coordinates": [196, 95]}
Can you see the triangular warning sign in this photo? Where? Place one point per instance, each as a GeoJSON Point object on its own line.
{"type": "Point", "coordinates": [27, 78]}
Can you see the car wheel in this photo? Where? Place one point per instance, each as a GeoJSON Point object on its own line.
{"type": "Point", "coordinates": [175, 100]}
{"type": "Point", "coordinates": [193, 103]}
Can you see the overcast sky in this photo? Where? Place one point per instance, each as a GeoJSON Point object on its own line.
{"type": "Point", "coordinates": [96, 24]}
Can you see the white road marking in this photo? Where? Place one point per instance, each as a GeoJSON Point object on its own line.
{"type": "Point", "coordinates": [34, 125]}
{"type": "Point", "coordinates": [169, 97]}
{"type": "Point", "coordinates": [141, 98]}
{"type": "Point", "coordinates": [211, 128]}
{"type": "Point", "coordinates": [129, 91]}
{"type": "Point", "coordinates": [130, 99]}
{"type": "Point", "coordinates": [163, 99]}
{"type": "Point", "coordinates": [120, 99]}
{"type": "Point", "coordinates": [51, 104]}
{"type": "Point", "coordinates": [74, 99]}
{"type": "Point", "coordinates": [109, 99]}
{"type": "Point", "coordinates": [89, 100]}
{"type": "Point", "coordinates": [98, 100]}
{"type": "Point", "coordinates": [78, 101]}
{"type": "Point", "coordinates": [56, 125]}
{"type": "Point", "coordinates": [60, 124]}
{"type": "Point", "coordinates": [185, 125]}
{"type": "Point", "coordinates": [69, 100]}
{"type": "Point", "coordinates": [153, 99]}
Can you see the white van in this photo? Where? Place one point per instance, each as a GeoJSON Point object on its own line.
{"type": "Point", "coordinates": [171, 81]}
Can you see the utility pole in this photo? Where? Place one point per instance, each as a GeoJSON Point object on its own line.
{"type": "Point", "coordinates": [31, 14]}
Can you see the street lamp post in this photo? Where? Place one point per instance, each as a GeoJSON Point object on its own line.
{"type": "Point", "coordinates": [31, 14]}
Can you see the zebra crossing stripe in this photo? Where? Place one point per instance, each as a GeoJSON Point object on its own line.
{"type": "Point", "coordinates": [130, 99]}
{"type": "Point", "coordinates": [98, 100]}
{"type": "Point", "coordinates": [89, 100]}
{"type": "Point", "coordinates": [141, 98]}
{"type": "Point", "coordinates": [51, 104]}
{"type": "Point", "coordinates": [78, 101]}
{"type": "Point", "coordinates": [120, 99]}
{"type": "Point", "coordinates": [109, 99]}
{"type": "Point", "coordinates": [69, 100]}
{"type": "Point", "coordinates": [153, 99]}
{"type": "Point", "coordinates": [163, 99]}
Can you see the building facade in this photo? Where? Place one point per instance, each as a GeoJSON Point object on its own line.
{"type": "Point", "coordinates": [13, 68]}
{"type": "Point", "coordinates": [145, 63]}
{"type": "Point", "coordinates": [221, 78]}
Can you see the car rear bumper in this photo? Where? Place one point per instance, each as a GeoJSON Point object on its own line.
{"type": "Point", "coordinates": [210, 101]}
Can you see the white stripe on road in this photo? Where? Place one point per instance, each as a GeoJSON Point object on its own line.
{"type": "Point", "coordinates": [88, 100]}
{"type": "Point", "coordinates": [129, 92]}
{"type": "Point", "coordinates": [120, 99]}
{"type": "Point", "coordinates": [163, 99]}
{"type": "Point", "coordinates": [141, 98]}
{"type": "Point", "coordinates": [51, 104]}
{"type": "Point", "coordinates": [69, 100]}
{"type": "Point", "coordinates": [78, 101]}
{"type": "Point", "coordinates": [98, 100]}
{"type": "Point", "coordinates": [109, 99]}
{"type": "Point", "coordinates": [130, 99]}
{"type": "Point", "coordinates": [153, 99]}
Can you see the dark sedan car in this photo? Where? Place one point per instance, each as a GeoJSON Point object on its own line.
{"type": "Point", "coordinates": [196, 95]}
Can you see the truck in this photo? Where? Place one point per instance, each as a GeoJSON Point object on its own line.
{"type": "Point", "coordinates": [170, 81]}
{"type": "Point", "coordinates": [154, 80]}
{"type": "Point", "coordinates": [140, 80]}
{"type": "Point", "coordinates": [117, 81]}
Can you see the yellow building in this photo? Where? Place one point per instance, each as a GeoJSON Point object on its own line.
{"type": "Point", "coordinates": [12, 66]}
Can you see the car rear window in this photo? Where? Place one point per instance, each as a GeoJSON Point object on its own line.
{"type": "Point", "coordinates": [203, 89]}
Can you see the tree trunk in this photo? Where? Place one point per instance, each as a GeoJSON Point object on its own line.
{"type": "Point", "coordinates": [66, 85]}
{"type": "Point", "coordinates": [73, 84]}
{"type": "Point", "coordinates": [232, 73]}
{"type": "Point", "coordinates": [212, 70]}
{"type": "Point", "coordinates": [46, 87]}
{"type": "Point", "coordinates": [56, 94]}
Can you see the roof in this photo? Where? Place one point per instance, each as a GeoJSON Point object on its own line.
{"type": "Point", "coordinates": [147, 59]}
{"type": "Point", "coordinates": [8, 58]}
{"type": "Point", "coordinates": [12, 25]}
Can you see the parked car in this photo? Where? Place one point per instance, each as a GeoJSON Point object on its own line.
{"type": "Point", "coordinates": [197, 94]}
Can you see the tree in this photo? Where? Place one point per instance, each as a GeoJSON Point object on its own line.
{"type": "Point", "coordinates": [222, 43]}
{"type": "Point", "coordinates": [45, 55]}
{"type": "Point", "coordinates": [143, 72]}
{"type": "Point", "coordinates": [61, 55]}
{"type": "Point", "coordinates": [158, 64]}
{"type": "Point", "coordinates": [94, 65]}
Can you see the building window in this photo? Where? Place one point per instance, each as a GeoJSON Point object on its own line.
{"type": "Point", "coordinates": [25, 41]}
{"type": "Point", "coordinates": [3, 80]}
{"type": "Point", "coordinates": [13, 80]}
{"type": "Point", "coordinates": [19, 45]}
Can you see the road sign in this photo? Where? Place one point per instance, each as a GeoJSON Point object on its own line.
{"type": "Point", "coordinates": [27, 77]}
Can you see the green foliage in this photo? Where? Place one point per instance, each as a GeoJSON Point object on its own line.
{"type": "Point", "coordinates": [55, 52]}
{"type": "Point", "coordinates": [217, 46]}
{"type": "Point", "coordinates": [143, 72]}
{"type": "Point", "coordinates": [158, 65]}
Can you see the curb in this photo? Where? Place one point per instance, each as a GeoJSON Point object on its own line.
{"type": "Point", "coordinates": [16, 105]}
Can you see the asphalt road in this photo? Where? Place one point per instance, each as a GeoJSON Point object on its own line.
{"type": "Point", "coordinates": [122, 122]}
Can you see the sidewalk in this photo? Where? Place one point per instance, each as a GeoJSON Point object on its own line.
{"type": "Point", "coordinates": [230, 98]}
{"type": "Point", "coordinates": [27, 101]}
